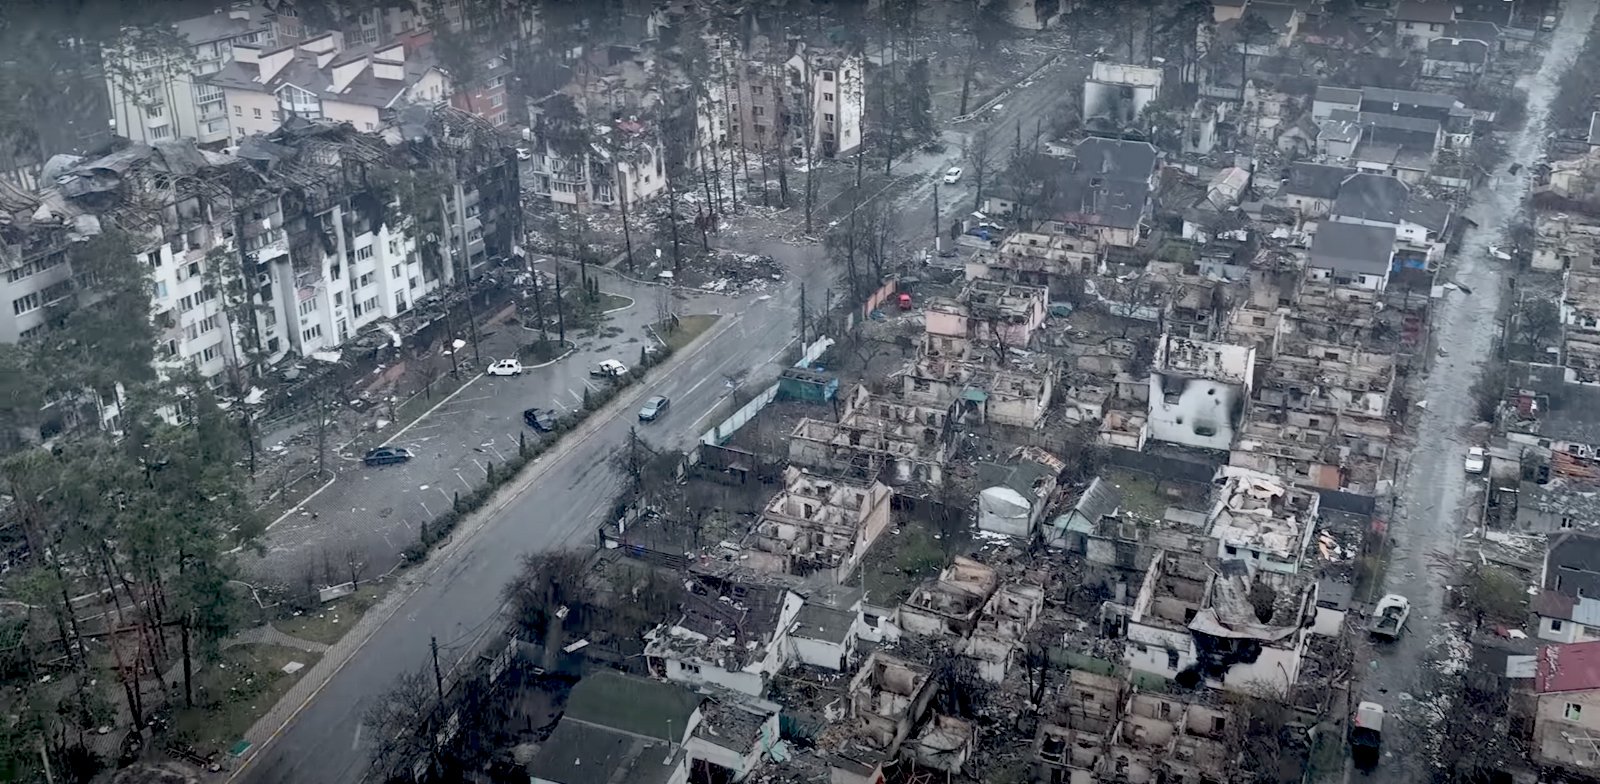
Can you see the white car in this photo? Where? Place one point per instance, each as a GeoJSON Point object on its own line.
{"type": "Point", "coordinates": [506, 367]}
{"type": "Point", "coordinates": [523, 154]}
{"type": "Point", "coordinates": [1477, 459]}
{"type": "Point", "coordinates": [952, 175]}
{"type": "Point", "coordinates": [609, 368]}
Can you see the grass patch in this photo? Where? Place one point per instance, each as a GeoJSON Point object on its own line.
{"type": "Point", "coordinates": [682, 332]}
{"type": "Point", "coordinates": [233, 692]}
{"type": "Point", "coordinates": [538, 352]}
{"type": "Point", "coordinates": [609, 302]}
{"type": "Point", "coordinates": [1141, 494]}
{"type": "Point", "coordinates": [329, 623]}
{"type": "Point", "coordinates": [899, 561]}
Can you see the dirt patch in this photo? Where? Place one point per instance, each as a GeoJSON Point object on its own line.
{"type": "Point", "coordinates": [327, 624]}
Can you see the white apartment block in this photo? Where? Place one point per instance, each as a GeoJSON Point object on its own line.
{"type": "Point", "coordinates": [838, 97]}
{"type": "Point", "coordinates": [321, 79]}
{"type": "Point", "coordinates": [598, 179]}
{"type": "Point", "coordinates": [153, 98]}
{"type": "Point", "coordinates": [766, 113]}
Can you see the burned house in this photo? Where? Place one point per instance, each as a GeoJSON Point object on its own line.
{"type": "Point", "coordinates": [1162, 738]}
{"type": "Point", "coordinates": [1002, 629]}
{"type": "Point", "coordinates": [1077, 720]}
{"type": "Point", "coordinates": [818, 526]}
{"type": "Point", "coordinates": [987, 316]}
{"type": "Point", "coordinates": [1198, 391]}
{"type": "Point", "coordinates": [1156, 626]}
{"type": "Point", "coordinates": [1260, 521]}
{"type": "Point", "coordinates": [949, 605]}
{"type": "Point", "coordinates": [731, 635]}
{"type": "Point", "coordinates": [888, 696]}
{"type": "Point", "coordinates": [981, 390]}
{"type": "Point", "coordinates": [876, 438]}
{"type": "Point", "coordinates": [1252, 630]}
{"type": "Point", "coordinates": [1036, 258]}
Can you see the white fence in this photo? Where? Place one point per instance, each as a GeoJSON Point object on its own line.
{"type": "Point", "coordinates": [724, 430]}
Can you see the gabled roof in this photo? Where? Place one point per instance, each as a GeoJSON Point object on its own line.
{"type": "Point", "coordinates": [1430, 11]}
{"type": "Point", "coordinates": [1373, 197]}
{"type": "Point", "coordinates": [1345, 95]}
{"type": "Point", "coordinates": [1473, 30]}
{"type": "Point", "coordinates": [1382, 95]}
{"type": "Point", "coordinates": [1352, 248]}
{"type": "Point", "coordinates": [578, 753]}
{"type": "Point", "coordinates": [1565, 668]}
{"type": "Point", "coordinates": [633, 705]}
{"type": "Point", "coordinates": [1119, 158]}
{"type": "Point", "coordinates": [1449, 50]}
{"type": "Point", "coordinates": [1100, 499]}
{"type": "Point", "coordinates": [1429, 213]}
{"type": "Point", "coordinates": [1578, 609]}
{"type": "Point", "coordinates": [1316, 180]}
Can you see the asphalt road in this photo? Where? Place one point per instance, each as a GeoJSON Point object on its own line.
{"type": "Point", "coordinates": [1427, 523]}
{"type": "Point", "coordinates": [459, 598]}
{"type": "Point", "coordinates": [373, 514]}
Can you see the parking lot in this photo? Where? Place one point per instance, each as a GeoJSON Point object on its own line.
{"type": "Point", "coordinates": [370, 514]}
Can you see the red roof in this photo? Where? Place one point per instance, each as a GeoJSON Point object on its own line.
{"type": "Point", "coordinates": [1574, 667]}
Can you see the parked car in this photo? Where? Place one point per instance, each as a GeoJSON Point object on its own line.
{"type": "Point", "coordinates": [609, 368]}
{"type": "Point", "coordinates": [387, 455]}
{"type": "Point", "coordinates": [539, 419]}
{"type": "Point", "coordinates": [653, 408]}
{"type": "Point", "coordinates": [1477, 460]}
{"type": "Point", "coordinates": [952, 175]}
{"type": "Point", "coordinates": [506, 367]}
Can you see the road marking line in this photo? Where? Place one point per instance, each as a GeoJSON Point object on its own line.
{"type": "Point", "coordinates": [431, 566]}
{"type": "Point", "coordinates": [464, 481]}
{"type": "Point", "coordinates": [356, 743]}
{"type": "Point", "coordinates": [447, 497]}
{"type": "Point", "coordinates": [480, 465]}
{"type": "Point", "coordinates": [425, 510]}
{"type": "Point", "coordinates": [697, 384]}
{"type": "Point", "coordinates": [425, 414]}
{"type": "Point", "coordinates": [774, 357]}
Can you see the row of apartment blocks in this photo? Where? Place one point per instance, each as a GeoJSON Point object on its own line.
{"type": "Point", "coordinates": [321, 253]}
{"type": "Point", "coordinates": [771, 97]}
{"type": "Point", "coordinates": [248, 66]}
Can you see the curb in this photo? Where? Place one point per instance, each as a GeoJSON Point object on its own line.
{"type": "Point", "coordinates": [380, 614]}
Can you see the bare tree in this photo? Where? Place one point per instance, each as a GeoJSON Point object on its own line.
{"type": "Point", "coordinates": [982, 155]}
{"type": "Point", "coordinates": [399, 725]}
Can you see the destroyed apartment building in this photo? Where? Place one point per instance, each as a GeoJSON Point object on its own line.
{"type": "Point", "coordinates": [307, 220]}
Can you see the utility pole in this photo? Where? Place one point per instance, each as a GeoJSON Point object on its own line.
{"type": "Point", "coordinates": [438, 680]}
{"type": "Point", "coordinates": [938, 236]}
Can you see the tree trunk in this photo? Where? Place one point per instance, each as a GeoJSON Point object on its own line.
{"type": "Point", "coordinates": [69, 644]}
{"type": "Point", "coordinates": [627, 233]}
{"type": "Point", "coordinates": [672, 212]}
{"type": "Point", "coordinates": [188, 664]}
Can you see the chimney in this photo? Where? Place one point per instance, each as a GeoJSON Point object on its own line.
{"type": "Point", "coordinates": [323, 58]}
{"type": "Point", "coordinates": [390, 63]}
{"type": "Point", "coordinates": [239, 14]}
{"type": "Point", "coordinates": [246, 53]}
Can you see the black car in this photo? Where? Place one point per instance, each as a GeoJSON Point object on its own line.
{"type": "Point", "coordinates": [539, 419]}
{"type": "Point", "coordinates": [387, 455]}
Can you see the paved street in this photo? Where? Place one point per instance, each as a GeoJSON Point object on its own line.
{"type": "Point", "coordinates": [456, 594]}
{"type": "Point", "coordinates": [375, 513]}
{"type": "Point", "coordinates": [1434, 491]}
